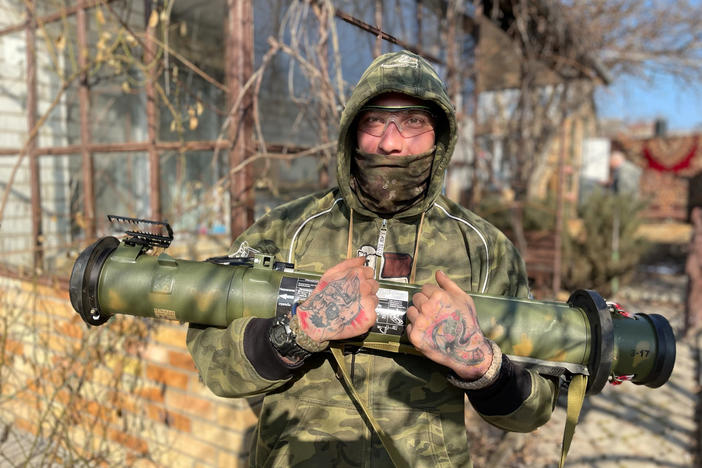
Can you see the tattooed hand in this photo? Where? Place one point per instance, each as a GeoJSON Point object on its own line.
{"type": "Point", "coordinates": [343, 303]}
{"type": "Point", "coordinates": [443, 325]}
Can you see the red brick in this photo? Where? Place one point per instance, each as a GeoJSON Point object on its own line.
{"type": "Point", "coordinates": [169, 418]}
{"type": "Point", "coordinates": [219, 436]}
{"type": "Point", "coordinates": [170, 377]}
{"type": "Point", "coordinates": [97, 410]}
{"type": "Point", "coordinates": [204, 453]}
{"type": "Point", "coordinates": [170, 335]}
{"type": "Point", "coordinates": [127, 440]}
{"type": "Point", "coordinates": [178, 421]}
{"type": "Point", "coordinates": [150, 393]}
{"type": "Point", "coordinates": [155, 353]}
{"type": "Point", "coordinates": [121, 364]}
{"type": "Point", "coordinates": [188, 404]}
{"type": "Point", "coordinates": [25, 396]}
{"type": "Point", "coordinates": [65, 310]}
{"type": "Point", "coordinates": [238, 418]}
{"type": "Point", "coordinates": [14, 347]}
{"type": "Point", "coordinates": [33, 387]}
{"type": "Point", "coordinates": [155, 412]}
{"type": "Point", "coordinates": [122, 401]}
{"type": "Point", "coordinates": [50, 291]}
{"type": "Point", "coordinates": [140, 461]}
{"type": "Point", "coordinates": [63, 396]}
{"type": "Point", "coordinates": [70, 329]}
{"type": "Point", "coordinates": [182, 360]}
{"type": "Point", "coordinates": [25, 425]}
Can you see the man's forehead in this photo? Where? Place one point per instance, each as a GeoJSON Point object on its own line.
{"type": "Point", "coordinates": [395, 99]}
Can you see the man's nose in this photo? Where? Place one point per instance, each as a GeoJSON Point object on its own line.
{"type": "Point", "coordinates": [392, 141]}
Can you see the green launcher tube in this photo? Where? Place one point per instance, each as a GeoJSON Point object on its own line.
{"type": "Point", "coordinates": [585, 335]}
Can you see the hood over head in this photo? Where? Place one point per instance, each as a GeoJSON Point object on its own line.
{"type": "Point", "coordinates": [407, 73]}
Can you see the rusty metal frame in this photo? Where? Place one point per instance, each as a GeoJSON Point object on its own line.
{"type": "Point", "coordinates": [239, 52]}
{"type": "Point", "coordinates": [239, 40]}
{"type": "Point", "coordinates": [84, 103]}
{"type": "Point", "coordinates": [152, 119]}
{"type": "Point", "coordinates": [34, 175]}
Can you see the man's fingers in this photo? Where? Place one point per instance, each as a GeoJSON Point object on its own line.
{"type": "Point", "coordinates": [447, 283]}
{"type": "Point", "coordinates": [412, 314]}
{"type": "Point", "coordinates": [429, 289]}
{"type": "Point", "coordinates": [419, 299]}
{"type": "Point", "coordinates": [374, 287]}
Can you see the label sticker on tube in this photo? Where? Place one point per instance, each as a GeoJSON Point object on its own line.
{"type": "Point", "coordinates": [293, 290]}
{"type": "Point", "coordinates": [391, 311]}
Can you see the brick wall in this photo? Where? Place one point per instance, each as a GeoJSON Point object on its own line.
{"type": "Point", "coordinates": [124, 394]}
{"type": "Point", "coordinates": [667, 194]}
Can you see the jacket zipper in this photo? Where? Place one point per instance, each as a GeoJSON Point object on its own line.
{"type": "Point", "coordinates": [380, 248]}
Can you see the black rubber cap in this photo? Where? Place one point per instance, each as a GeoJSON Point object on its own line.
{"type": "Point", "coordinates": [602, 335]}
{"type": "Point", "coordinates": [665, 351]}
{"type": "Point", "coordinates": [84, 280]}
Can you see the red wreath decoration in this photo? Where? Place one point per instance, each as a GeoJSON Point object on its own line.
{"type": "Point", "coordinates": [680, 165]}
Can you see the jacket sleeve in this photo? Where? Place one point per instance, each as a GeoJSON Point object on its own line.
{"type": "Point", "coordinates": [239, 361]}
{"type": "Point", "coordinates": [520, 400]}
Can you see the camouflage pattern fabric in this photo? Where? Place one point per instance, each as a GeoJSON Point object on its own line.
{"type": "Point", "coordinates": [399, 181]}
{"type": "Point", "coordinates": [407, 73]}
{"type": "Point", "coordinates": [309, 420]}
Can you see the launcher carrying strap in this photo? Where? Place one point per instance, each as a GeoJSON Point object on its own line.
{"type": "Point", "coordinates": [576, 397]}
{"type": "Point", "coordinates": [386, 440]}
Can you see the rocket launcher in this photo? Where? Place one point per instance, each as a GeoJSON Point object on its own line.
{"type": "Point", "coordinates": [586, 335]}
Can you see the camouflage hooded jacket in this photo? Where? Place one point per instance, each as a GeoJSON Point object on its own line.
{"type": "Point", "coordinates": [307, 418]}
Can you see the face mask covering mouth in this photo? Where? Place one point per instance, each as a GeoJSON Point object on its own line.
{"type": "Point", "coordinates": [388, 184]}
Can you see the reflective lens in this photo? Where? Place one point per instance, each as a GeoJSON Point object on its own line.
{"type": "Point", "coordinates": [410, 121]}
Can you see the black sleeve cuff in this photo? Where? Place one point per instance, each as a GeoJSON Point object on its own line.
{"type": "Point", "coordinates": [506, 394]}
{"type": "Point", "coordinates": [261, 354]}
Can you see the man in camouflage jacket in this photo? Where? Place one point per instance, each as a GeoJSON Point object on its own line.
{"type": "Point", "coordinates": [389, 209]}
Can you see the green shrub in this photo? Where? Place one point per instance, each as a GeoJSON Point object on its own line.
{"type": "Point", "coordinates": [589, 259]}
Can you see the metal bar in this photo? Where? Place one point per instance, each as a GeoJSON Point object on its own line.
{"type": "Point", "coordinates": [383, 35]}
{"type": "Point", "coordinates": [239, 68]}
{"type": "Point", "coordinates": [419, 18]}
{"type": "Point", "coordinates": [166, 48]}
{"type": "Point", "coordinates": [58, 16]}
{"type": "Point", "coordinates": [144, 146]}
{"type": "Point", "coordinates": [84, 102]}
{"type": "Point", "coordinates": [34, 176]}
{"type": "Point", "coordinates": [152, 118]}
{"type": "Point", "coordinates": [322, 48]}
{"type": "Point", "coordinates": [378, 49]}
{"type": "Point", "coordinates": [19, 273]}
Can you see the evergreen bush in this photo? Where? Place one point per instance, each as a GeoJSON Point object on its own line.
{"type": "Point", "coordinates": [596, 255]}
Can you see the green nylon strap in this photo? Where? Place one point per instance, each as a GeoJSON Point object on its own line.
{"type": "Point", "coordinates": [576, 396]}
{"type": "Point", "coordinates": [390, 448]}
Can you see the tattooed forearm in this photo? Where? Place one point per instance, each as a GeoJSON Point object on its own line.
{"type": "Point", "coordinates": [335, 306]}
{"type": "Point", "coordinates": [449, 335]}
